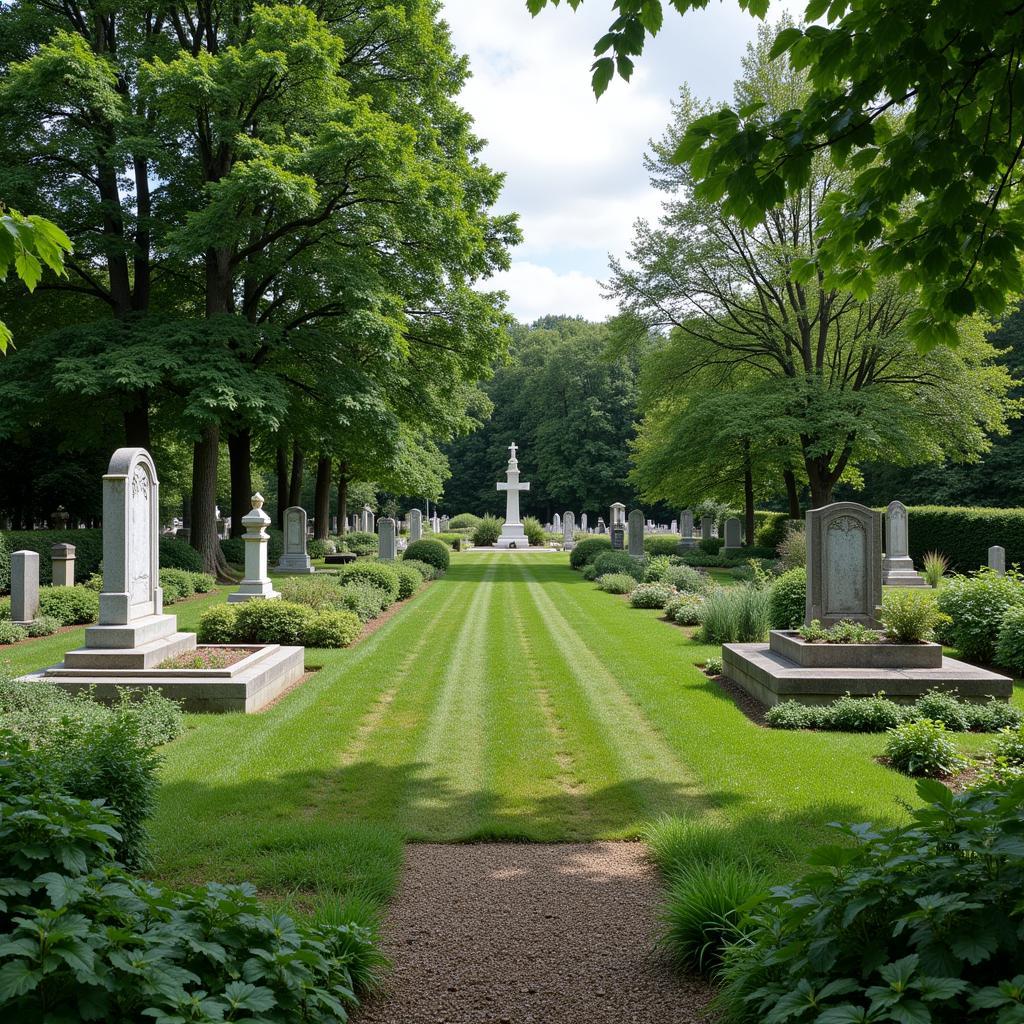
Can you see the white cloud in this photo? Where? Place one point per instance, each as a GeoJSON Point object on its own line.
{"type": "Point", "coordinates": [536, 291]}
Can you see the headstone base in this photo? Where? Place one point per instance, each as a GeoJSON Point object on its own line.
{"type": "Point", "coordinates": [900, 572]}
{"type": "Point", "coordinates": [295, 564]}
{"type": "Point", "coordinates": [512, 536]}
{"type": "Point", "coordinates": [146, 630]}
{"type": "Point", "coordinates": [254, 590]}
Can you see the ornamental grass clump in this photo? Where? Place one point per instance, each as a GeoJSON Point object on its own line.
{"type": "Point", "coordinates": [922, 747]}
{"type": "Point", "coordinates": [616, 583]}
{"type": "Point", "coordinates": [735, 615]}
{"type": "Point", "coordinates": [486, 531]}
{"type": "Point", "coordinates": [935, 565]}
{"type": "Point", "coordinates": [976, 606]}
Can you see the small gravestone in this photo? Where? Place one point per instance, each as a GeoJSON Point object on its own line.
{"type": "Point", "coordinates": [673, 527]}
{"type": "Point", "coordinates": [636, 533]}
{"type": "Point", "coordinates": [898, 567]}
{"type": "Point", "coordinates": [618, 534]}
{"type": "Point", "coordinates": [600, 526]}
{"type": "Point", "coordinates": [844, 564]}
{"type": "Point", "coordinates": [583, 522]}
{"type": "Point", "coordinates": [556, 524]}
{"type": "Point", "coordinates": [294, 557]}
{"type": "Point", "coordinates": [256, 585]}
{"type": "Point", "coordinates": [707, 527]}
{"type": "Point", "coordinates": [569, 531]}
{"type": "Point", "coordinates": [686, 537]}
{"type": "Point", "coordinates": [386, 539]}
{"type": "Point", "coordinates": [24, 587]}
{"type": "Point", "coordinates": [63, 560]}
{"type": "Point", "coordinates": [733, 534]}
{"type": "Point", "coordinates": [997, 559]}
{"type": "Point", "coordinates": [369, 525]}
{"type": "Point", "coordinates": [415, 524]}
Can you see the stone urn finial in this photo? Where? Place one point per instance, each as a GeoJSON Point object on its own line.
{"type": "Point", "coordinates": [257, 500]}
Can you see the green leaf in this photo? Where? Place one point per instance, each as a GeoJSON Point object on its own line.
{"type": "Point", "coordinates": [604, 71]}
{"type": "Point", "coordinates": [17, 977]}
{"type": "Point", "coordinates": [784, 40]}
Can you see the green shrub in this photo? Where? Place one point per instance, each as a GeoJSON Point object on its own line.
{"type": "Point", "coordinates": [688, 579]}
{"type": "Point", "coordinates": [587, 550]}
{"type": "Point", "coordinates": [319, 592]}
{"type": "Point", "coordinates": [655, 568]}
{"type": "Point", "coordinates": [118, 943]}
{"type": "Point", "coordinates": [453, 540]}
{"type": "Point", "coordinates": [863, 714]}
{"type": "Point", "coordinates": [792, 549]}
{"type": "Point", "coordinates": [650, 595]}
{"type": "Point", "coordinates": [616, 582]}
{"type": "Point", "coordinates": [463, 521]}
{"type": "Point", "coordinates": [233, 550]}
{"type": "Point", "coordinates": [909, 923]}
{"type": "Point", "coordinates": [45, 625]}
{"type": "Point", "coordinates": [846, 631]}
{"type": "Point", "coordinates": [427, 571]}
{"type": "Point", "coordinates": [713, 665]}
{"type": "Point", "coordinates": [921, 747]}
{"type": "Point", "coordinates": [661, 544]}
{"type": "Point", "coordinates": [332, 629]}
{"type": "Point", "coordinates": [589, 572]}
{"type": "Point", "coordinates": [381, 574]}
{"type": "Point", "coordinates": [618, 562]}
{"type": "Point", "coordinates": [1010, 745]}
{"type": "Point", "coordinates": [179, 554]}
{"type": "Point", "coordinates": [320, 548]}
{"type": "Point", "coordinates": [71, 606]}
{"type": "Point", "coordinates": [88, 551]}
{"type": "Point", "coordinates": [787, 599]}
{"type": "Point", "coordinates": [770, 528]}
{"type": "Point", "coordinates": [734, 615]}
{"type": "Point", "coordinates": [218, 625]}
{"type": "Point", "coordinates": [430, 551]}
{"type": "Point", "coordinates": [360, 542]}
{"type": "Point", "coordinates": [791, 714]}
{"type": "Point", "coordinates": [976, 605]}
{"type": "Point", "coordinates": [486, 531]}
{"type": "Point", "coordinates": [711, 545]}
{"type": "Point", "coordinates": [1010, 640]}
{"type": "Point", "coordinates": [534, 530]}
{"type": "Point", "coordinates": [272, 622]}
{"type": "Point", "coordinates": [992, 715]}
{"type": "Point", "coordinates": [410, 579]}
{"type": "Point", "coordinates": [363, 598]}
{"type": "Point", "coordinates": [910, 616]}
{"type": "Point", "coordinates": [10, 633]}
{"type": "Point", "coordinates": [686, 609]}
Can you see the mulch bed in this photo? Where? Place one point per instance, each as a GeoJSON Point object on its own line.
{"type": "Point", "coordinates": [533, 934]}
{"type": "Point", "coordinates": [210, 657]}
{"type": "Point", "coordinates": [750, 706]}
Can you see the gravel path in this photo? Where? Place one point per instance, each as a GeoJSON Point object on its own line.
{"type": "Point", "coordinates": [518, 933]}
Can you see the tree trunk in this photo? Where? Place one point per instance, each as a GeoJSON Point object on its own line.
{"type": "Point", "coordinates": [342, 498]}
{"type": "Point", "coordinates": [282, 484]}
{"type": "Point", "coordinates": [186, 510]}
{"type": "Point", "coordinates": [322, 499]}
{"type": "Point", "coordinates": [821, 482]}
{"type": "Point", "coordinates": [792, 493]}
{"type": "Point", "coordinates": [295, 488]}
{"type": "Point", "coordinates": [748, 494]}
{"type": "Point", "coordinates": [204, 504]}
{"type": "Point", "coordinates": [240, 460]}
{"type": "Point", "coordinates": [136, 422]}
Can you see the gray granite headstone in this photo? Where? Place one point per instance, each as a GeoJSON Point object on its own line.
{"type": "Point", "coordinates": [569, 531]}
{"type": "Point", "coordinates": [24, 586]}
{"type": "Point", "coordinates": [997, 559]}
{"type": "Point", "coordinates": [636, 533]}
{"type": "Point", "coordinates": [583, 522]}
{"type": "Point", "coordinates": [844, 564]}
{"type": "Point", "coordinates": [295, 557]}
{"type": "Point", "coordinates": [556, 524]}
{"type": "Point", "coordinates": [386, 539]}
{"type": "Point", "coordinates": [707, 527]}
{"type": "Point", "coordinates": [733, 534]}
{"type": "Point", "coordinates": [415, 524]}
{"type": "Point", "coordinates": [601, 526]}
{"type": "Point", "coordinates": [898, 567]}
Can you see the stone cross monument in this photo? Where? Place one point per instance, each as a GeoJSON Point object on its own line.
{"type": "Point", "coordinates": [257, 583]}
{"type": "Point", "coordinates": [512, 533]}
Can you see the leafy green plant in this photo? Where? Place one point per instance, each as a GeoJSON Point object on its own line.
{"type": "Point", "coordinates": [1010, 640]}
{"type": "Point", "coordinates": [363, 598]}
{"type": "Point", "coordinates": [73, 606]}
{"type": "Point", "coordinates": [687, 579]}
{"type": "Point", "coordinates": [534, 530]}
{"type": "Point", "coordinates": [486, 531]}
{"type": "Point", "coordinates": [650, 595]}
{"type": "Point", "coordinates": [791, 714]}
{"type": "Point", "coordinates": [426, 571]}
{"type": "Point", "coordinates": [943, 706]}
{"type": "Point", "coordinates": [318, 591]}
{"type": "Point", "coordinates": [218, 625]}
{"type": "Point", "coordinates": [935, 565]}
{"type": "Point", "coordinates": [736, 614]}
{"type": "Point", "coordinates": [618, 562]}
{"type": "Point", "coordinates": [589, 572]}
{"type": "Point", "coordinates": [992, 715]}
{"type": "Point", "coordinates": [787, 599]}
{"type": "Point", "coordinates": [910, 616]}
{"type": "Point", "coordinates": [710, 545]}
{"type": "Point", "coordinates": [45, 625]}
{"type": "Point", "coordinates": [661, 545]}
{"type": "Point", "coordinates": [976, 605]}
{"type": "Point", "coordinates": [843, 632]}
{"type": "Point", "coordinates": [381, 574]}
{"type": "Point", "coordinates": [316, 548]}
{"type": "Point", "coordinates": [713, 666]}
{"type": "Point", "coordinates": [359, 542]}
{"type": "Point", "coordinates": [430, 551]}
{"type": "Point", "coordinates": [587, 550]}
{"type": "Point", "coordinates": [907, 923]}
{"type": "Point", "coordinates": [922, 747]}
{"type": "Point", "coordinates": [617, 583]}
{"type": "Point", "coordinates": [685, 609]}
{"type": "Point", "coordinates": [792, 549]}
{"type": "Point", "coordinates": [333, 629]}
{"type": "Point", "coordinates": [863, 714]}
{"type": "Point", "coordinates": [410, 579]}
{"type": "Point", "coordinates": [272, 622]}
{"type": "Point", "coordinates": [655, 568]}
{"type": "Point", "coordinates": [10, 633]}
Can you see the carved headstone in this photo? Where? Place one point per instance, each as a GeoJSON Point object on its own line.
{"type": "Point", "coordinates": [618, 534]}
{"type": "Point", "coordinates": [295, 557]}
{"type": "Point", "coordinates": [386, 539]}
{"type": "Point", "coordinates": [898, 568]}
{"type": "Point", "coordinates": [844, 564]}
{"type": "Point", "coordinates": [636, 533]}
{"type": "Point", "coordinates": [569, 531]}
{"type": "Point", "coordinates": [415, 524]}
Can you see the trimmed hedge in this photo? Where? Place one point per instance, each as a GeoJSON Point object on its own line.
{"type": "Point", "coordinates": [662, 544]}
{"type": "Point", "coordinates": [433, 552]}
{"type": "Point", "coordinates": [586, 551]}
{"type": "Point", "coordinates": [88, 551]}
{"type": "Point", "coordinates": [178, 554]}
{"type": "Point", "coordinates": [380, 574]}
{"type": "Point", "coordinates": [964, 535]}
{"type": "Point", "coordinates": [770, 528]}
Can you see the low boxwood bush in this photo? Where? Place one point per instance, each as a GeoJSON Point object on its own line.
{"type": "Point", "coordinates": [589, 572]}
{"type": "Point", "coordinates": [587, 550]}
{"type": "Point", "coordinates": [381, 574]}
{"type": "Point", "coordinates": [787, 599]}
{"type": "Point", "coordinates": [178, 554]}
{"type": "Point", "coordinates": [409, 579]}
{"type": "Point", "coordinates": [650, 595]}
{"type": "Point", "coordinates": [427, 571]}
{"type": "Point", "coordinates": [618, 562]}
{"type": "Point", "coordinates": [272, 622]}
{"type": "Point", "coordinates": [332, 629]}
{"type": "Point", "coordinates": [217, 625]}
{"type": "Point", "coordinates": [463, 521]}
{"type": "Point", "coordinates": [486, 531]}
{"type": "Point", "coordinates": [363, 598]}
{"type": "Point", "coordinates": [737, 614]}
{"type": "Point", "coordinates": [685, 609]}
{"type": "Point", "coordinates": [71, 606]}
{"type": "Point", "coordinates": [120, 948]}
{"type": "Point", "coordinates": [976, 606]}
{"type": "Point", "coordinates": [661, 544]}
{"type": "Point", "coordinates": [710, 545]}
{"type": "Point", "coordinates": [770, 528]}
{"type": "Point", "coordinates": [430, 551]}
{"type": "Point", "coordinates": [910, 923]}
{"type": "Point", "coordinates": [616, 582]}
{"type": "Point", "coordinates": [88, 552]}
{"type": "Point", "coordinates": [687, 579]}
{"type": "Point", "coordinates": [281, 622]}
{"type": "Point", "coordinates": [453, 540]}
{"type": "Point", "coordinates": [922, 747]}
{"type": "Point", "coordinates": [320, 548]}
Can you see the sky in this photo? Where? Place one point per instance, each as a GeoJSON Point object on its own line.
{"type": "Point", "coordinates": [574, 164]}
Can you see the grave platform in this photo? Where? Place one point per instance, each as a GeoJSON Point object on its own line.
{"type": "Point", "coordinates": [789, 668]}
{"type": "Point", "coordinates": [248, 685]}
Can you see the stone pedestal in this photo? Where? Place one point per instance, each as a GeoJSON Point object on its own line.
{"type": "Point", "coordinates": [24, 587]}
{"type": "Point", "coordinates": [63, 560]}
{"type": "Point", "coordinates": [256, 585]}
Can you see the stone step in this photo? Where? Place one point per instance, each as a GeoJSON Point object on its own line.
{"type": "Point", "coordinates": [145, 656]}
{"type": "Point", "coordinates": [135, 634]}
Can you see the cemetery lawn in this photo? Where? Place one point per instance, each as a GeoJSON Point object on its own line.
{"type": "Point", "coordinates": [510, 700]}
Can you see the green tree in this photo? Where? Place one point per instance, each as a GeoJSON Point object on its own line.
{"type": "Point", "coordinates": [919, 101]}
{"type": "Point", "coordinates": [836, 376]}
